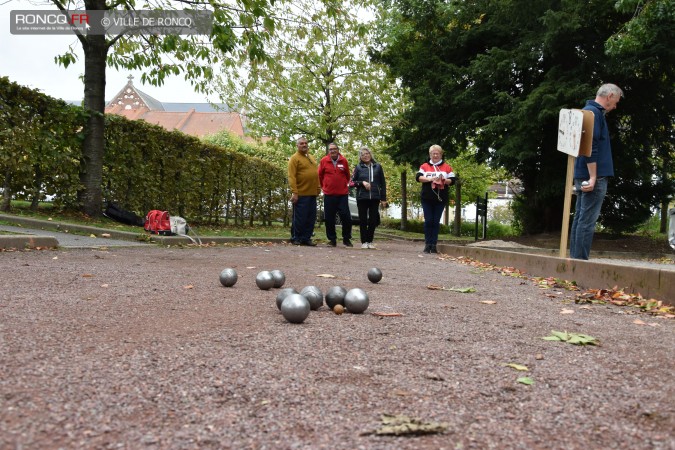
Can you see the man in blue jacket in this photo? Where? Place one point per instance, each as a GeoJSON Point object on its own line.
{"type": "Point", "coordinates": [594, 170]}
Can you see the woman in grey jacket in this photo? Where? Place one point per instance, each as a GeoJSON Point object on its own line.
{"type": "Point", "coordinates": [371, 192]}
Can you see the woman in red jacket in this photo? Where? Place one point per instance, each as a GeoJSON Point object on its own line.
{"type": "Point", "coordinates": [435, 175]}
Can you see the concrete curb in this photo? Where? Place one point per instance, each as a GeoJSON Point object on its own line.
{"type": "Point", "coordinates": [38, 224]}
{"type": "Point", "coordinates": [21, 242]}
{"type": "Point", "coordinates": [649, 282]}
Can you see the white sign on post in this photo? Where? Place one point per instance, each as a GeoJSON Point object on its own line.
{"type": "Point", "coordinates": [570, 125]}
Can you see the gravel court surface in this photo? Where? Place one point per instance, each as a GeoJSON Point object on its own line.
{"type": "Point", "coordinates": [143, 348]}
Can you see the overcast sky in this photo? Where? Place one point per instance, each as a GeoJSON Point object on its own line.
{"type": "Point", "coordinates": [29, 61]}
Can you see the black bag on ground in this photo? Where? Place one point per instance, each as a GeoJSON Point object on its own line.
{"type": "Point", "coordinates": [115, 212]}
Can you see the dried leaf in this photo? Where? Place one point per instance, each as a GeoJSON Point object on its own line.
{"type": "Point", "coordinates": [435, 287]}
{"type": "Point", "coordinates": [639, 322]}
{"type": "Point", "coordinates": [385, 314]}
{"type": "Point", "coordinates": [87, 275]}
{"type": "Point", "coordinates": [567, 311]}
{"type": "Point", "coordinates": [407, 426]}
{"type": "Point", "coordinates": [189, 286]}
{"type": "Point", "coordinates": [326, 275]}
{"type": "Point", "coordinates": [104, 285]}
{"type": "Point", "coordinates": [92, 235]}
{"type": "Point", "coordinates": [488, 302]}
{"type": "Point", "coordinates": [518, 367]}
{"type": "Point", "coordinates": [525, 380]}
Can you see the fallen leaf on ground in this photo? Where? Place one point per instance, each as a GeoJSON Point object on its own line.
{"type": "Point", "coordinates": [92, 235]}
{"type": "Point", "coordinates": [488, 302]}
{"type": "Point", "coordinates": [525, 380]}
{"type": "Point", "coordinates": [104, 285]}
{"type": "Point", "coordinates": [571, 338]}
{"type": "Point", "coordinates": [435, 287]}
{"type": "Point", "coordinates": [385, 314]}
{"type": "Point", "coordinates": [105, 235]}
{"type": "Point", "coordinates": [518, 367]}
{"type": "Point", "coordinates": [326, 275]}
{"type": "Point", "coordinates": [250, 267]}
{"type": "Point", "coordinates": [406, 426]}
{"type": "Point", "coordinates": [189, 286]}
{"type": "Point", "coordinates": [567, 311]}
{"type": "Point", "coordinates": [87, 275]}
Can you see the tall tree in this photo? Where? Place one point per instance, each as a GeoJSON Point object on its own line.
{"type": "Point", "coordinates": [496, 73]}
{"type": "Point", "coordinates": [646, 48]}
{"type": "Point", "coordinates": [322, 84]}
{"type": "Point", "coordinates": [159, 56]}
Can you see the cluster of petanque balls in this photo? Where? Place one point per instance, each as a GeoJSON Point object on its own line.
{"type": "Point", "coordinates": [295, 306]}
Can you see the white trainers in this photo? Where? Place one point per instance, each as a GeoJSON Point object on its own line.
{"type": "Point", "coordinates": [364, 245]}
{"type": "Point", "coordinates": [371, 245]}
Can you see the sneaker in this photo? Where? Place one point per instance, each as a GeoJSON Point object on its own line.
{"type": "Point", "coordinates": [295, 242]}
{"type": "Point", "coordinates": [332, 243]}
{"type": "Point", "coordinates": [364, 245]}
{"type": "Point", "coordinates": [427, 248]}
{"type": "Point", "coordinates": [371, 245]}
{"type": "Point", "coordinates": [347, 243]}
{"type": "Point", "coordinates": [433, 249]}
{"type": "Point", "coordinates": [309, 243]}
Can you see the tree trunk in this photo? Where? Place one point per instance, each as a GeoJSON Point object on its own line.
{"type": "Point", "coordinates": [7, 191]}
{"type": "Point", "coordinates": [663, 227]}
{"type": "Point", "coordinates": [93, 147]}
{"type": "Point", "coordinates": [404, 200]}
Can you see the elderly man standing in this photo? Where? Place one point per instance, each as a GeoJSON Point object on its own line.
{"type": "Point", "coordinates": [595, 170]}
{"type": "Point", "coordinates": [303, 178]}
{"type": "Point", "coordinates": [334, 177]}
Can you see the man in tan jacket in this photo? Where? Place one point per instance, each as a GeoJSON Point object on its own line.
{"type": "Point", "coordinates": [303, 178]}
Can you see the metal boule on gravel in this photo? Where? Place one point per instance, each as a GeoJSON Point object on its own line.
{"type": "Point", "coordinates": [295, 308]}
{"type": "Point", "coordinates": [335, 296]}
{"type": "Point", "coordinates": [279, 278]}
{"type": "Point", "coordinates": [228, 277]}
{"type": "Point", "coordinates": [285, 292]}
{"type": "Point", "coordinates": [264, 280]}
{"type": "Point", "coordinates": [356, 301]}
{"type": "Point", "coordinates": [313, 295]}
{"type": "Point", "coordinates": [374, 275]}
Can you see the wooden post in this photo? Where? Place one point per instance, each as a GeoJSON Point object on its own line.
{"type": "Point", "coordinates": [564, 233]}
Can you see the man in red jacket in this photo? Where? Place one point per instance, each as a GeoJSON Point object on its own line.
{"type": "Point", "coordinates": [334, 178]}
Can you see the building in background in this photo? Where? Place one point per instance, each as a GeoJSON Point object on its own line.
{"type": "Point", "coordinates": [195, 119]}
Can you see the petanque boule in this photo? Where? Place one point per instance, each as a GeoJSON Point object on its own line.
{"type": "Point", "coordinates": [228, 277]}
{"type": "Point", "coordinates": [264, 280]}
{"type": "Point", "coordinates": [356, 301]}
{"type": "Point", "coordinates": [279, 278]}
{"type": "Point", "coordinates": [335, 296]}
{"type": "Point", "coordinates": [313, 295]}
{"type": "Point", "coordinates": [295, 308]}
{"type": "Point", "coordinates": [285, 292]}
{"type": "Point", "coordinates": [374, 275]}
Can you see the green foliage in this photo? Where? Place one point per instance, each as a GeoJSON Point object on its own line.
{"type": "Point", "coordinates": [319, 81]}
{"type": "Point", "coordinates": [495, 74]}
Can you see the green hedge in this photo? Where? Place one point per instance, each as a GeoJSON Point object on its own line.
{"type": "Point", "coordinates": [145, 166]}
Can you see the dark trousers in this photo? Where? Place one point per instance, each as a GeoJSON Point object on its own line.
{"type": "Point", "coordinates": [369, 218]}
{"type": "Point", "coordinates": [304, 218]}
{"type": "Point", "coordinates": [337, 204]}
{"type": "Point", "coordinates": [433, 210]}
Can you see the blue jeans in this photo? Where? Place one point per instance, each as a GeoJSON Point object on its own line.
{"type": "Point", "coordinates": [433, 210]}
{"type": "Point", "coordinates": [586, 213]}
{"type": "Point", "coordinates": [304, 218]}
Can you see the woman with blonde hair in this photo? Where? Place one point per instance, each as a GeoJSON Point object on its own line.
{"type": "Point", "coordinates": [371, 192]}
